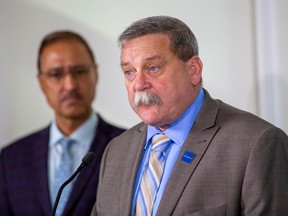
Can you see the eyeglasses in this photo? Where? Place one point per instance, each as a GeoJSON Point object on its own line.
{"type": "Point", "coordinates": [56, 75]}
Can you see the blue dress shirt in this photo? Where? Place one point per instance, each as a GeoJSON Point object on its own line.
{"type": "Point", "coordinates": [83, 138]}
{"type": "Point", "coordinates": [178, 132]}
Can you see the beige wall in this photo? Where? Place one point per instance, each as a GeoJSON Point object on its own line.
{"type": "Point", "coordinates": [225, 30]}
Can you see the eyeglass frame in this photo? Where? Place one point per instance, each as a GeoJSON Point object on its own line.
{"type": "Point", "coordinates": [57, 74]}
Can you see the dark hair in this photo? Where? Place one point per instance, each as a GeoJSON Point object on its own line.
{"type": "Point", "coordinates": [62, 36]}
{"type": "Point", "coordinates": [182, 40]}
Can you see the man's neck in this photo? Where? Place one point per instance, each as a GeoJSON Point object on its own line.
{"type": "Point", "coordinates": [68, 125]}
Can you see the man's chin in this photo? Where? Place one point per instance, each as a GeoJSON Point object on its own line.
{"type": "Point", "coordinates": [76, 114]}
{"type": "Point", "coordinates": [149, 117]}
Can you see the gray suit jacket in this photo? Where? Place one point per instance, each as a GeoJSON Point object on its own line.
{"type": "Point", "coordinates": [240, 168]}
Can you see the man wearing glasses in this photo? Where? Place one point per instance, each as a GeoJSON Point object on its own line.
{"type": "Point", "coordinates": [33, 168]}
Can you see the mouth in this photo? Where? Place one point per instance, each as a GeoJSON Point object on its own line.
{"type": "Point", "coordinates": [71, 97]}
{"type": "Point", "coordinates": [145, 105]}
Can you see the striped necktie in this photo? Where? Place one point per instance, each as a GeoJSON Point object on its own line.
{"type": "Point", "coordinates": [152, 175]}
{"type": "Point", "coordinates": [64, 172]}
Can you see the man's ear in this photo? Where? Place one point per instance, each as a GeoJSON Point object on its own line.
{"type": "Point", "coordinates": [96, 73]}
{"type": "Point", "coordinates": [195, 67]}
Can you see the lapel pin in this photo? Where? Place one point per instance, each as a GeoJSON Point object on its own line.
{"type": "Point", "coordinates": [188, 157]}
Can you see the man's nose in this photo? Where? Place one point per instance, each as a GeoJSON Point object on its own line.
{"type": "Point", "coordinates": [69, 81]}
{"type": "Point", "coordinates": [141, 81]}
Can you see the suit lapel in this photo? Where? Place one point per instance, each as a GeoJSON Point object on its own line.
{"type": "Point", "coordinates": [197, 143]}
{"type": "Point", "coordinates": [40, 155]}
{"type": "Point", "coordinates": [82, 180]}
{"type": "Point", "coordinates": [134, 157]}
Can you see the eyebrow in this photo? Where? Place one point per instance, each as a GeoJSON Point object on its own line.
{"type": "Point", "coordinates": [150, 58]}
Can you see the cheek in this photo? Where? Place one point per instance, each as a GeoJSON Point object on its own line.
{"type": "Point", "coordinates": [89, 84]}
{"type": "Point", "coordinates": [130, 94]}
{"type": "Point", "coordinates": [129, 89]}
{"type": "Point", "coordinates": [88, 90]}
{"type": "Point", "coordinates": [52, 98]}
{"type": "Point", "coordinates": [168, 92]}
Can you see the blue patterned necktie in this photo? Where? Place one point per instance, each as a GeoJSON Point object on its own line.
{"type": "Point", "coordinates": [64, 172]}
{"type": "Point", "coordinates": [152, 175]}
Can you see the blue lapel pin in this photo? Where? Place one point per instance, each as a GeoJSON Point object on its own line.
{"type": "Point", "coordinates": [188, 157]}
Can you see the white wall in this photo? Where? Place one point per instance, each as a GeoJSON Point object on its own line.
{"type": "Point", "coordinates": [272, 76]}
{"type": "Point", "coordinates": [225, 30]}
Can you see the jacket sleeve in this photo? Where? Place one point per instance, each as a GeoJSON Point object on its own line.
{"type": "Point", "coordinates": [265, 184]}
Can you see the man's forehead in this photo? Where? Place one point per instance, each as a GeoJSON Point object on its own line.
{"type": "Point", "coordinates": [145, 58]}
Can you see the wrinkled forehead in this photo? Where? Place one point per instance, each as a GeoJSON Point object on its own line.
{"type": "Point", "coordinates": [147, 47]}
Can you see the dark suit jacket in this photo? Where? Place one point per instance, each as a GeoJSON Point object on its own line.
{"type": "Point", "coordinates": [240, 168]}
{"type": "Point", "coordinates": [24, 176]}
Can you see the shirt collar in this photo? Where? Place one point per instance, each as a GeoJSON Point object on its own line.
{"type": "Point", "coordinates": [178, 131]}
{"type": "Point", "coordinates": [82, 135]}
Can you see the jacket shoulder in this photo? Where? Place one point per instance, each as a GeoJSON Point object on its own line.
{"type": "Point", "coordinates": [25, 141]}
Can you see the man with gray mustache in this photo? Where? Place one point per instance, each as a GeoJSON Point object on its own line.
{"type": "Point", "coordinates": [192, 154]}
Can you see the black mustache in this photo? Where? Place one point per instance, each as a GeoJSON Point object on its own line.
{"type": "Point", "coordinates": [71, 94]}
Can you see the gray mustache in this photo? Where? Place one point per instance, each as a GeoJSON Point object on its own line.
{"type": "Point", "coordinates": [146, 98]}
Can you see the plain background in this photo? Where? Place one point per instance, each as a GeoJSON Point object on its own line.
{"type": "Point", "coordinates": [243, 46]}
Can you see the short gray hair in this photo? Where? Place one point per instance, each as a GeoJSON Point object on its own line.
{"type": "Point", "coordinates": [182, 40]}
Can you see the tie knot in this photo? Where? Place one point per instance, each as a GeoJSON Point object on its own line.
{"type": "Point", "coordinates": [66, 143]}
{"type": "Point", "coordinates": [160, 142]}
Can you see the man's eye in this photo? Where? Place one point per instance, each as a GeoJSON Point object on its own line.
{"type": "Point", "coordinates": [153, 69]}
{"type": "Point", "coordinates": [55, 74]}
{"type": "Point", "coordinates": [80, 70]}
{"type": "Point", "coordinates": [128, 73]}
